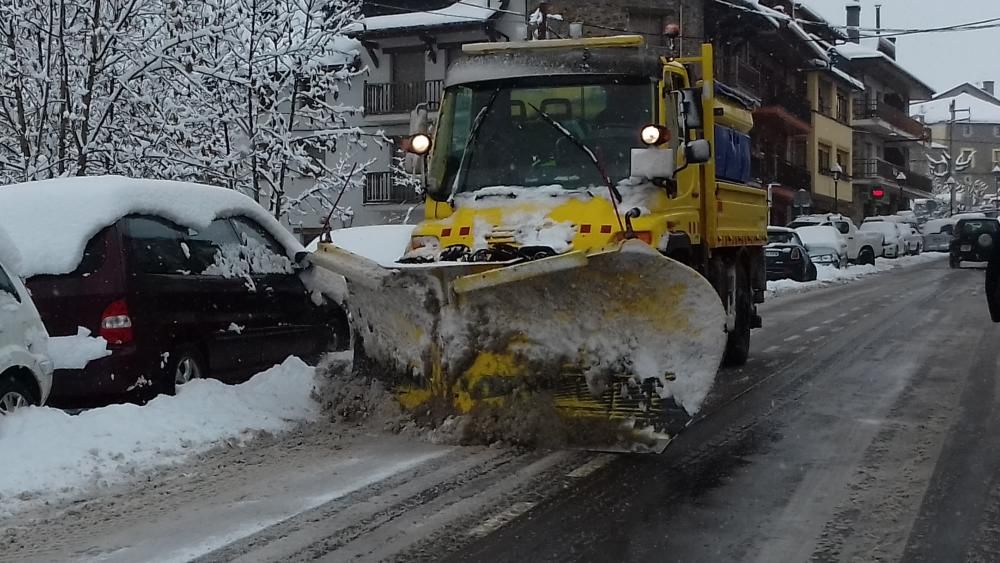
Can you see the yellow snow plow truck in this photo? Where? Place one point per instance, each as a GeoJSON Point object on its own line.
{"type": "Point", "coordinates": [592, 250]}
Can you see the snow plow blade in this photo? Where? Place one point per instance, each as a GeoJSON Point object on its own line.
{"type": "Point", "coordinates": [610, 350]}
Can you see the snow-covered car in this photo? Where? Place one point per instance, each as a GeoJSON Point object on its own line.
{"type": "Point", "coordinates": [893, 245]}
{"type": "Point", "coordinates": [786, 256]}
{"type": "Point", "coordinates": [913, 241]}
{"type": "Point", "coordinates": [862, 248]}
{"type": "Point", "coordinates": [937, 234]}
{"type": "Point", "coordinates": [825, 245]}
{"type": "Point", "coordinates": [181, 280]}
{"type": "Point", "coordinates": [25, 368]}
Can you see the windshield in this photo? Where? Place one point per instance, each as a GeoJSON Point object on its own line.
{"type": "Point", "coordinates": [782, 237]}
{"type": "Point", "coordinates": [976, 227]}
{"type": "Point", "coordinates": [516, 146]}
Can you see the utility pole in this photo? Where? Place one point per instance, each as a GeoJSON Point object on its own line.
{"type": "Point", "coordinates": [951, 157]}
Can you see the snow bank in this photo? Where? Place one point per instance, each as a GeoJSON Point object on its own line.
{"type": "Point", "coordinates": [828, 275]}
{"type": "Point", "coordinates": [75, 352]}
{"type": "Point", "coordinates": [59, 454]}
{"type": "Point", "coordinates": [51, 221]}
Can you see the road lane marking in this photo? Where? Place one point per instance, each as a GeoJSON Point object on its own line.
{"type": "Point", "coordinates": [813, 328]}
{"type": "Point", "coordinates": [591, 466]}
{"type": "Point", "coordinates": [493, 523]}
{"type": "Point", "coordinates": [770, 349]}
{"type": "Point", "coordinates": [793, 337]}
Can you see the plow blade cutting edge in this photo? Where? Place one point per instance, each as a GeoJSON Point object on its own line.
{"type": "Point", "coordinates": [620, 346]}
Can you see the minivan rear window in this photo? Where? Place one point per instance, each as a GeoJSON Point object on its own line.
{"type": "Point", "coordinates": [157, 245]}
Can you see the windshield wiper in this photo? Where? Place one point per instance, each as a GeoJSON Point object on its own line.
{"type": "Point", "coordinates": [462, 171]}
{"type": "Point", "coordinates": [583, 147]}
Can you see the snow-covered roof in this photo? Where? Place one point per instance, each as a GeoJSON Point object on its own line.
{"type": "Point", "coordinates": [938, 110]}
{"type": "Point", "coordinates": [463, 12]}
{"type": "Point", "coordinates": [867, 51]}
{"type": "Point", "coordinates": [50, 221]}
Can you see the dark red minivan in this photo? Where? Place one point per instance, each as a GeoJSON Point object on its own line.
{"type": "Point", "coordinates": [176, 303]}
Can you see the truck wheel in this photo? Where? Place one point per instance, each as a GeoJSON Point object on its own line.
{"type": "Point", "coordinates": [738, 340]}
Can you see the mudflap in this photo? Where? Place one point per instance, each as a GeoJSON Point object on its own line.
{"type": "Point", "coordinates": [621, 345]}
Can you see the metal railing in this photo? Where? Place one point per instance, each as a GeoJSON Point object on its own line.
{"type": "Point", "coordinates": [876, 168]}
{"type": "Point", "coordinates": [874, 109]}
{"type": "Point", "coordinates": [777, 171]}
{"type": "Point", "coordinates": [401, 97]}
{"type": "Point", "coordinates": [384, 187]}
{"type": "Point", "coordinates": [737, 73]}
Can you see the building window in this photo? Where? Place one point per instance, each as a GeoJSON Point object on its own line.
{"type": "Point", "coordinates": [996, 156]}
{"type": "Point", "coordinates": [967, 130]}
{"type": "Point", "coordinates": [843, 107]}
{"type": "Point", "coordinates": [824, 158]}
{"type": "Point", "coordinates": [844, 160]}
{"type": "Point", "coordinates": [996, 130]}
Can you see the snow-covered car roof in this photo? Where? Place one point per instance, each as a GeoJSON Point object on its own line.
{"type": "Point", "coordinates": [774, 229]}
{"type": "Point", "coordinates": [50, 221]}
{"type": "Point", "coordinates": [934, 225]}
{"type": "Point", "coordinates": [10, 257]}
{"type": "Point", "coordinates": [820, 235]}
{"type": "Point", "coordinates": [879, 226]}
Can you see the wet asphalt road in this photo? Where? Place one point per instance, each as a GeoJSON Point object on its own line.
{"type": "Point", "coordinates": [863, 429]}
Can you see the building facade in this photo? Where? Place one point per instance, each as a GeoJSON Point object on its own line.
{"type": "Point", "coordinates": [965, 126]}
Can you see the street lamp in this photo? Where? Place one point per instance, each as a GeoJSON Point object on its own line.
{"type": "Point", "coordinates": [951, 183]}
{"type": "Point", "coordinates": [837, 171]}
{"type": "Point", "coordinates": [996, 186]}
{"type": "Point", "coordinates": [900, 178]}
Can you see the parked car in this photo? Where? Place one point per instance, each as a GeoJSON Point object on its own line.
{"type": "Point", "coordinates": [25, 369]}
{"type": "Point", "coordinates": [786, 256]}
{"type": "Point", "coordinates": [182, 280]}
{"type": "Point", "coordinates": [937, 234]}
{"type": "Point", "coordinates": [973, 241]}
{"type": "Point", "coordinates": [862, 248]}
{"type": "Point", "coordinates": [825, 245]}
{"type": "Point", "coordinates": [913, 241]}
{"type": "Point", "coordinates": [893, 245]}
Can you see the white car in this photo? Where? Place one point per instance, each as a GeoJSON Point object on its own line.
{"type": "Point", "coordinates": [938, 234]}
{"type": "Point", "coordinates": [893, 244]}
{"type": "Point", "coordinates": [25, 368]}
{"type": "Point", "coordinates": [825, 244]}
{"type": "Point", "coordinates": [912, 239]}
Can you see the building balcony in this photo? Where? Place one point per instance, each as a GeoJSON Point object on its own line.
{"type": "Point", "coordinates": [787, 112]}
{"type": "Point", "coordinates": [777, 171]}
{"type": "Point", "coordinates": [738, 74]}
{"type": "Point", "coordinates": [885, 120]}
{"type": "Point", "coordinates": [385, 188]}
{"type": "Point", "coordinates": [401, 97]}
{"type": "Point", "coordinates": [875, 171]}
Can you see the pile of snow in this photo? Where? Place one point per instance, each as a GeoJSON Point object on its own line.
{"type": "Point", "coordinates": [59, 454]}
{"type": "Point", "coordinates": [828, 275]}
{"type": "Point", "coordinates": [75, 352]}
{"type": "Point", "coordinates": [51, 221]}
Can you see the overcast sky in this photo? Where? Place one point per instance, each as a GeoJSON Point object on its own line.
{"type": "Point", "coordinates": [942, 60]}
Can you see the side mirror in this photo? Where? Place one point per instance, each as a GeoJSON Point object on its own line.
{"type": "Point", "coordinates": [652, 164]}
{"type": "Point", "coordinates": [689, 115]}
{"type": "Point", "coordinates": [697, 152]}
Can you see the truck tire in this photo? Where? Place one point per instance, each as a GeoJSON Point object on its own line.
{"type": "Point", "coordinates": [738, 340]}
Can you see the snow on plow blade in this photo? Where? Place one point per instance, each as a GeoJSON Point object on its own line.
{"type": "Point", "coordinates": [614, 350]}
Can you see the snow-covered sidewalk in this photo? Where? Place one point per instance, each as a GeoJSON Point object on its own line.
{"type": "Point", "coordinates": [52, 455]}
{"type": "Point", "coordinates": [828, 275]}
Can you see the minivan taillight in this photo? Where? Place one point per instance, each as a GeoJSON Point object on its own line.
{"type": "Point", "coordinates": [116, 325]}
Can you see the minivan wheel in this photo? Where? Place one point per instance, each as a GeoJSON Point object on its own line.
{"type": "Point", "coordinates": [14, 395]}
{"type": "Point", "coordinates": [184, 364]}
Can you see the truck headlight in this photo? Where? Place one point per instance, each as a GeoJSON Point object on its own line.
{"type": "Point", "coordinates": [654, 135]}
{"type": "Point", "coordinates": [419, 144]}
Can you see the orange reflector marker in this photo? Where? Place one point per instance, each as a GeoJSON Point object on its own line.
{"type": "Point", "coordinates": [464, 231]}
{"type": "Point", "coordinates": [606, 229]}
{"type": "Point", "coordinates": [584, 229]}
{"type": "Point", "coordinates": [446, 232]}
